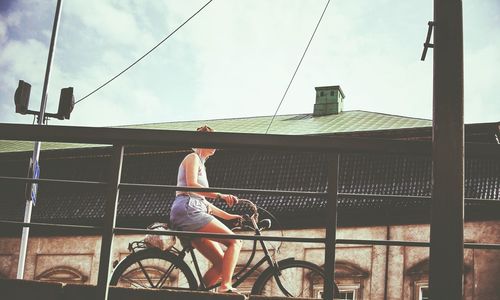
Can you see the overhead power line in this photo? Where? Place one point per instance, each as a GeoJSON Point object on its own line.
{"type": "Point", "coordinates": [298, 66]}
{"type": "Point", "coordinates": [140, 58]}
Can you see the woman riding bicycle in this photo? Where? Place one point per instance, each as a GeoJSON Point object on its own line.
{"type": "Point", "coordinates": [192, 212]}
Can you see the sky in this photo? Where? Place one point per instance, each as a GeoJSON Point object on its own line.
{"type": "Point", "coordinates": [235, 59]}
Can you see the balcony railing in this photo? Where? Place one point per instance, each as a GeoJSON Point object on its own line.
{"type": "Point", "coordinates": [119, 138]}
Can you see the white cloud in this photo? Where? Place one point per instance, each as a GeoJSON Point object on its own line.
{"type": "Point", "coordinates": [3, 31]}
{"type": "Point", "coordinates": [20, 60]}
{"type": "Point", "coordinates": [236, 57]}
{"type": "Point", "coordinates": [113, 21]}
{"type": "Point", "coordinates": [13, 19]}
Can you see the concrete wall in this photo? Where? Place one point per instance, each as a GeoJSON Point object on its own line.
{"type": "Point", "coordinates": [360, 267]}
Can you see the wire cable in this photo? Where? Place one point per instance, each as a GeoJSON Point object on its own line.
{"type": "Point", "coordinates": [152, 49]}
{"type": "Point", "coordinates": [298, 66]}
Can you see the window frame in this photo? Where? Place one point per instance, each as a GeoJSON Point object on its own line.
{"type": "Point", "coordinates": [354, 288]}
{"type": "Point", "coordinates": [418, 286]}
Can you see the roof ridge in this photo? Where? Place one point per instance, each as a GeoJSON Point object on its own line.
{"type": "Point", "coordinates": [386, 114]}
{"type": "Point", "coordinates": [206, 120]}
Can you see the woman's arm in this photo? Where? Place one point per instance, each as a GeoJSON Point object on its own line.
{"type": "Point", "coordinates": [214, 210]}
{"type": "Point", "coordinates": [192, 165]}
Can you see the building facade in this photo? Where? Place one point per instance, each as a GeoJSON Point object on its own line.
{"type": "Point", "coordinates": [362, 271]}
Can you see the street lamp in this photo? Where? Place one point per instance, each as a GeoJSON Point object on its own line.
{"type": "Point", "coordinates": [22, 99]}
{"type": "Point", "coordinates": [66, 103]}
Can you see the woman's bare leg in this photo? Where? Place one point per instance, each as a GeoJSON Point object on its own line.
{"type": "Point", "coordinates": [213, 252]}
{"type": "Point", "coordinates": [230, 256]}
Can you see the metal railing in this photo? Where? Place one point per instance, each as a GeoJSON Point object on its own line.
{"type": "Point", "coordinates": [119, 138]}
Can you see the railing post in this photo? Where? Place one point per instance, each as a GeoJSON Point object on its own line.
{"type": "Point", "coordinates": [447, 208]}
{"type": "Point", "coordinates": [331, 224]}
{"type": "Point", "coordinates": [109, 222]}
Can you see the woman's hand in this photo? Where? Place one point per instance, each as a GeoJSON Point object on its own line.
{"type": "Point", "coordinates": [233, 217]}
{"type": "Point", "coordinates": [230, 199]}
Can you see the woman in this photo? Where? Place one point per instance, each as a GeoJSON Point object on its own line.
{"type": "Point", "coordinates": [192, 212]}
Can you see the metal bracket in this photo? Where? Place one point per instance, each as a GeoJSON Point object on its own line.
{"type": "Point", "coordinates": [46, 115]}
{"type": "Point", "coordinates": [427, 43]}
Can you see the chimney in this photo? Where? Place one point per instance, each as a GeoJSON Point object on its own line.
{"type": "Point", "coordinates": [329, 100]}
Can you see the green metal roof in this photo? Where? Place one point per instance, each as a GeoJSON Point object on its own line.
{"type": "Point", "coordinates": [21, 146]}
{"type": "Point", "coordinates": [296, 124]}
{"type": "Point", "coordinates": [300, 124]}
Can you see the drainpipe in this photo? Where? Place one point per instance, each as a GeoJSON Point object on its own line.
{"type": "Point", "coordinates": [386, 277]}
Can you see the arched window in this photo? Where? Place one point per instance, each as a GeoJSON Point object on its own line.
{"type": "Point", "coordinates": [62, 274]}
{"type": "Point", "coordinates": [418, 275]}
{"type": "Point", "coordinates": [350, 279]}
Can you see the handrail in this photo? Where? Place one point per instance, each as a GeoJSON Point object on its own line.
{"type": "Point", "coordinates": [43, 180]}
{"type": "Point", "coordinates": [424, 198]}
{"type": "Point", "coordinates": [238, 190]}
{"type": "Point", "coordinates": [188, 139]}
{"type": "Point", "coordinates": [49, 225]}
{"type": "Point", "coordinates": [127, 230]}
{"type": "Point", "coordinates": [411, 243]}
{"type": "Point", "coordinates": [226, 190]}
{"type": "Point", "coordinates": [221, 235]}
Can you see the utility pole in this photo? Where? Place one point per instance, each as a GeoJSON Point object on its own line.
{"type": "Point", "coordinates": [447, 207]}
{"type": "Point", "coordinates": [38, 144]}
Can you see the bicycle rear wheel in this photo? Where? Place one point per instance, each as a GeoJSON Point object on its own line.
{"type": "Point", "coordinates": [295, 278]}
{"type": "Point", "coordinates": [153, 268]}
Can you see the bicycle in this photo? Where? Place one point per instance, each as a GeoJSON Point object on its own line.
{"type": "Point", "coordinates": [149, 267]}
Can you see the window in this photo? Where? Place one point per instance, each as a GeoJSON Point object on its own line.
{"type": "Point", "coordinates": [344, 295]}
{"type": "Point", "coordinates": [421, 290]}
{"type": "Point", "coordinates": [424, 293]}
{"type": "Point", "coordinates": [418, 277]}
{"type": "Point", "coordinates": [347, 295]}
{"type": "Point", "coordinates": [62, 274]}
{"type": "Point", "coordinates": [349, 292]}
{"type": "Point", "coordinates": [350, 280]}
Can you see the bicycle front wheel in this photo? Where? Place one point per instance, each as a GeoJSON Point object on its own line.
{"type": "Point", "coordinates": [294, 278]}
{"type": "Point", "coordinates": [153, 268]}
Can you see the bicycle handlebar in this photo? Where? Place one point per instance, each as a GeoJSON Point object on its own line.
{"type": "Point", "coordinates": [254, 217]}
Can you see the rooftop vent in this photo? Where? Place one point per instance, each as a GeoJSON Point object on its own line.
{"type": "Point", "coordinates": [329, 100]}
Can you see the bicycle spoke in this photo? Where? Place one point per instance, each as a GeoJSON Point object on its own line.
{"type": "Point", "coordinates": [282, 288]}
{"type": "Point", "coordinates": [145, 274]}
{"type": "Point", "coordinates": [291, 283]}
{"type": "Point", "coordinates": [294, 279]}
{"type": "Point", "coordinates": [165, 276]}
{"type": "Point", "coordinates": [132, 282]}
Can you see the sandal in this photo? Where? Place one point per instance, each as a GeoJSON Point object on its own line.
{"type": "Point", "coordinates": [231, 291]}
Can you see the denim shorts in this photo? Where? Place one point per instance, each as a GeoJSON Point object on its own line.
{"type": "Point", "coordinates": [189, 213]}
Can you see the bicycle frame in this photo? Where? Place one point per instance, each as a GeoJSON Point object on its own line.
{"type": "Point", "coordinates": [243, 274]}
